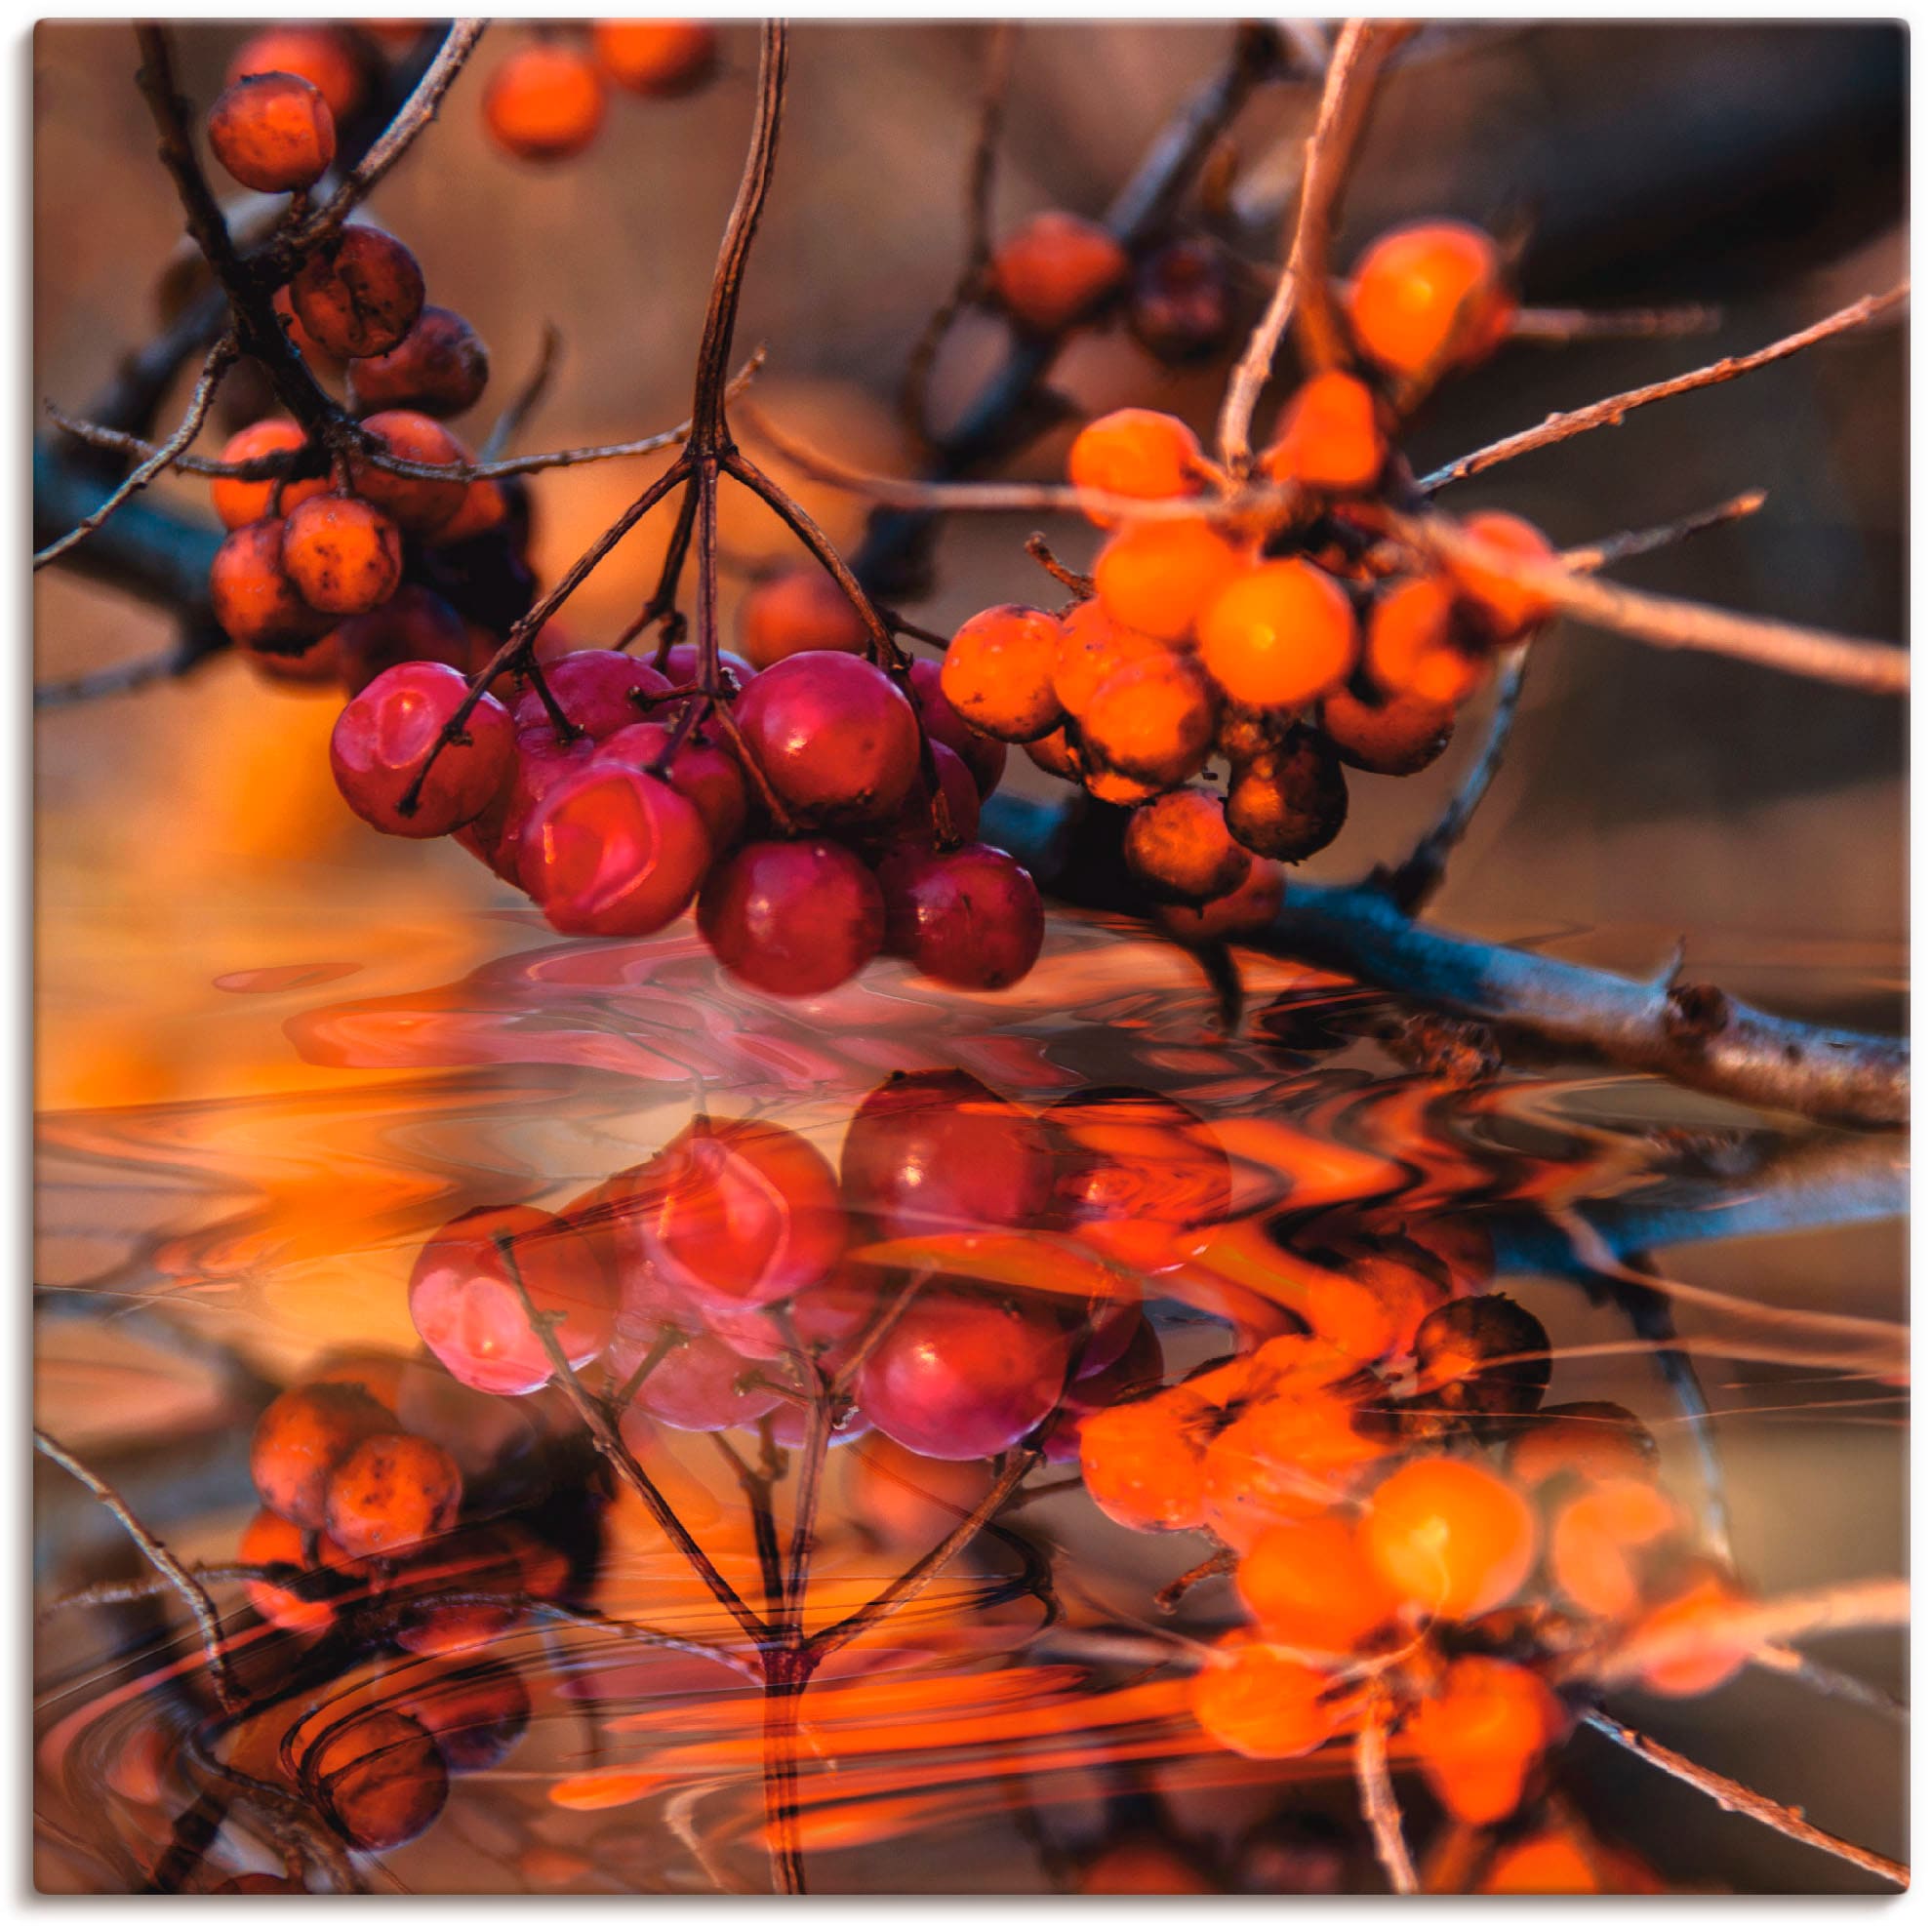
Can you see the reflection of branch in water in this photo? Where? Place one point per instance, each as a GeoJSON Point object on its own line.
{"type": "Point", "coordinates": [1378, 1799]}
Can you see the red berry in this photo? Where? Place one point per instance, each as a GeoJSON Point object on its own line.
{"type": "Point", "coordinates": [699, 1384]}
{"type": "Point", "coordinates": [465, 1303]}
{"type": "Point", "coordinates": [706, 774]}
{"type": "Point", "coordinates": [440, 367]}
{"type": "Point", "coordinates": [795, 920]}
{"type": "Point", "coordinates": [969, 916]}
{"type": "Point", "coordinates": [983, 754]}
{"type": "Point", "coordinates": [918, 819]}
{"type": "Point", "coordinates": [597, 690]}
{"type": "Point", "coordinates": [834, 736]}
{"type": "Point", "coordinates": [383, 736]}
{"type": "Point", "coordinates": [273, 131]}
{"type": "Point", "coordinates": [419, 506]}
{"type": "Point", "coordinates": [414, 625]}
{"type": "Point", "coordinates": [361, 294]}
{"type": "Point", "coordinates": [1053, 269]}
{"type": "Point", "coordinates": [611, 851]}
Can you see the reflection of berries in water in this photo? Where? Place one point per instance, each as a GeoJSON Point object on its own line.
{"type": "Point", "coordinates": [293, 1605]}
{"type": "Point", "coordinates": [477, 1715]}
{"type": "Point", "coordinates": [379, 1779]}
{"type": "Point", "coordinates": [1588, 1440]}
{"type": "Point", "coordinates": [1482, 1357]}
{"type": "Point", "coordinates": [300, 1439]}
{"type": "Point", "coordinates": [1598, 1542]}
{"type": "Point", "coordinates": [1309, 1584]}
{"type": "Point", "coordinates": [1137, 1168]}
{"type": "Point", "coordinates": [1449, 1536]}
{"type": "Point", "coordinates": [1142, 1461]}
{"type": "Point", "coordinates": [1263, 1704]}
{"type": "Point", "coordinates": [391, 1493]}
{"type": "Point", "coordinates": [699, 1385]}
{"type": "Point", "coordinates": [1481, 1734]}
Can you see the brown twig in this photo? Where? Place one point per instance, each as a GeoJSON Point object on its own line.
{"type": "Point", "coordinates": [1739, 1798]}
{"type": "Point", "coordinates": [1348, 91]}
{"type": "Point", "coordinates": [1070, 580]}
{"type": "Point", "coordinates": [1612, 410]}
{"type": "Point", "coordinates": [523, 403]}
{"type": "Point", "coordinates": [1626, 547]}
{"type": "Point", "coordinates": [193, 1593]}
{"type": "Point", "coordinates": [1378, 1799]}
{"type": "Point", "coordinates": [1604, 323]}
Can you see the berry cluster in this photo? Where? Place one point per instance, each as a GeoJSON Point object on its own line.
{"type": "Point", "coordinates": [547, 101]}
{"type": "Point", "coordinates": [1275, 637]}
{"type": "Point", "coordinates": [1411, 1527]}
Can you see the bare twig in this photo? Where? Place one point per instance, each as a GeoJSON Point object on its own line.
{"type": "Point", "coordinates": [1347, 92]}
{"type": "Point", "coordinates": [1601, 323]}
{"type": "Point", "coordinates": [1378, 1801]}
{"type": "Point", "coordinates": [1611, 411]}
{"type": "Point", "coordinates": [193, 1593]}
{"type": "Point", "coordinates": [1740, 1798]}
{"type": "Point", "coordinates": [1615, 548]}
{"type": "Point", "coordinates": [523, 403]}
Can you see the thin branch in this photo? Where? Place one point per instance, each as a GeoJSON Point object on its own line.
{"type": "Point", "coordinates": [1739, 1798]}
{"type": "Point", "coordinates": [120, 678]}
{"type": "Point", "coordinates": [220, 359]}
{"type": "Point", "coordinates": [1603, 324]}
{"type": "Point", "coordinates": [1615, 548]}
{"type": "Point", "coordinates": [1347, 94]}
{"type": "Point", "coordinates": [193, 1593]}
{"type": "Point", "coordinates": [1668, 623]}
{"type": "Point", "coordinates": [1378, 1801]}
{"type": "Point", "coordinates": [1611, 411]}
{"type": "Point", "coordinates": [523, 403]}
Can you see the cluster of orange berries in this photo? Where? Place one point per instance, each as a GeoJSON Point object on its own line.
{"type": "Point", "coordinates": [1276, 638]}
{"type": "Point", "coordinates": [547, 101]}
{"type": "Point", "coordinates": [1416, 1530]}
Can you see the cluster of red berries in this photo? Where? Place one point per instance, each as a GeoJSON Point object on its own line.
{"type": "Point", "coordinates": [1413, 1528]}
{"type": "Point", "coordinates": [1278, 639]}
{"type": "Point", "coordinates": [546, 100]}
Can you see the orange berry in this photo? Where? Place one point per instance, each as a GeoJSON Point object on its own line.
{"type": "Point", "coordinates": [1178, 845]}
{"type": "Point", "coordinates": [440, 367]}
{"type": "Point", "coordinates": [1308, 1586]}
{"type": "Point", "coordinates": [998, 672]}
{"type": "Point", "coordinates": [416, 505]}
{"type": "Point", "coordinates": [1328, 437]}
{"type": "Point", "coordinates": [323, 56]}
{"type": "Point", "coordinates": [800, 608]}
{"type": "Point", "coordinates": [343, 555]}
{"type": "Point", "coordinates": [1481, 1736]}
{"type": "Point", "coordinates": [1700, 1670]}
{"type": "Point", "coordinates": [1263, 1704]}
{"type": "Point", "coordinates": [1142, 1461]}
{"type": "Point", "coordinates": [1091, 647]}
{"type": "Point", "coordinates": [1152, 721]}
{"type": "Point", "coordinates": [1143, 1869]}
{"type": "Point", "coordinates": [1596, 1543]}
{"type": "Point", "coordinates": [273, 131]}
{"type": "Point", "coordinates": [1289, 803]}
{"type": "Point", "coordinates": [659, 58]}
{"type": "Point", "coordinates": [1589, 1440]}
{"type": "Point", "coordinates": [1252, 905]}
{"type": "Point", "coordinates": [1052, 269]}
{"type": "Point", "coordinates": [253, 598]}
{"type": "Point", "coordinates": [1124, 791]}
{"type": "Point", "coordinates": [239, 503]}
{"type": "Point", "coordinates": [1502, 608]}
{"type": "Point", "coordinates": [299, 338]}
{"type": "Point", "coordinates": [378, 1778]}
{"type": "Point", "coordinates": [1449, 1536]}
{"type": "Point", "coordinates": [1395, 738]}
{"type": "Point", "coordinates": [546, 102]}
{"type": "Point", "coordinates": [1158, 576]}
{"type": "Point", "coordinates": [359, 295]}
{"type": "Point", "coordinates": [1546, 1863]}
{"type": "Point", "coordinates": [1412, 649]}
{"type": "Point", "coordinates": [271, 1540]}
{"type": "Point", "coordinates": [1055, 754]}
{"type": "Point", "coordinates": [300, 1440]}
{"type": "Point", "coordinates": [484, 506]}
{"type": "Point", "coordinates": [391, 1493]}
{"type": "Point", "coordinates": [1430, 298]}
{"type": "Point", "coordinates": [1293, 1454]}
{"type": "Point", "coordinates": [1135, 452]}
{"type": "Point", "coordinates": [1279, 635]}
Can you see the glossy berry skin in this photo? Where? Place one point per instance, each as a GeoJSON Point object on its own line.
{"type": "Point", "coordinates": [1136, 1170]}
{"type": "Point", "coordinates": [1142, 1461]}
{"type": "Point", "coordinates": [598, 690]}
{"type": "Point", "coordinates": [477, 1715]}
{"type": "Point", "coordinates": [1329, 437]}
{"type": "Point", "coordinates": [416, 505]}
{"type": "Point", "coordinates": [1309, 1584]}
{"type": "Point", "coordinates": [546, 102]}
{"type": "Point", "coordinates": [1710, 1658]}
{"type": "Point", "coordinates": [1091, 647]}
{"type": "Point", "coordinates": [658, 58]}
{"type": "Point", "coordinates": [1056, 756]}
{"type": "Point", "coordinates": [391, 1493]}
{"type": "Point", "coordinates": [359, 295]}
{"type": "Point", "coordinates": [834, 737]}
{"type": "Point", "coordinates": [383, 736]}
{"type": "Point", "coordinates": [1597, 1541]}
{"type": "Point", "coordinates": [970, 917]}
{"type": "Point", "coordinates": [378, 1779]}
{"type": "Point", "coordinates": [1428, 298]}
{"type": "Point", "coordinates": [465, 1306]}
{"type": "Point", "coordinates": [983, 755]}
{"type": "Point", "coordinates": [794, 919]}
{"type": "Point", "coordinates": [1289, 804]}
{"type": "Point", "coordinates": [938, 1150]}
{"type": "Point", "coordinates": [684, 663]}
{"type": "Point", "coordinates": [254, 600]}
{"type": "Point", "coordinates": [1482, 1358]}
{"type": "Point", "coordinates": [1180, 307]}
{"type": "Point", "coordinates": [1394, 738]}
{"type": "Point", "coordinates": [998, 672]}
{"type": "Point", "coordinates": [919, 822]}
{"type": "Point", "coordinates": [1263, 1704]}
{"type": "Point", "coordinates": [1161, 577]}
{"type": "Point", "coordinates": [705, 773]}
{"type": "Point", "coordinates": [1153, 720]}
{"type": "Point", "coordinates": [414, 625]}
{"type": "Point", "coordinates": [1279, 636]}
{"type": "Point", "coordinates": [1054, 270]}
{"type": "Point", "coordinates": [699, 1384]}
{"type": "Point", "coordinates": [736, 1214]}
{"type": "Point", "coordinates": [1251, 906]}
{"type": "Point", "coordinates": [1413, 647]}
{"type": "Point", "coordinates": [440, 368]}
{"type": "Point", "coordinates": [323, 56]}
{"type": "Point", "coordinates": [1449, 1537]}
{"type": "Point", "coordinates": [239, 503]}
{"type": "Point", "coordinates": [1501, 609]}
{"type": "Point", "coordinates": [964, 1373]}
{"type": "Point", "coordinates": [797, 610]}
{"type": "Point", "coordinates": [343, 557]}
{"type": "Point", "coordinates": [302, 1438]}
{"type": "Point", "coordinates": [1482, 1734]}
{"type": "Point", "coordinates": [1179, 848]}
{"type": "Point", "coordinates": [273, 131]}
{"type": "Point", "coordinates": [612, 852]}
{"type": "Point", "coordinates": [1135, 452]}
